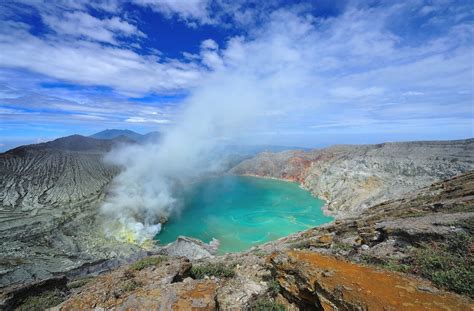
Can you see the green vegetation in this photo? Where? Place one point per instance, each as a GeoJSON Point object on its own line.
{"type": "Point", "coordinates": [273, 287]}
{"type": "Point", "coordinates": [449, 265]}
{"type": "Point", "coordinates": [147, 262]}
{"type": "Point", "coordinates": [130, 285]}
{"type": "Point", "coordinates": [389, 264]}
{"type": "Point", "coordinates": [259, 253]}
{"type": "Point", "coordinates": [468, 225]}
{"type": "Point", "coordinates": [212, 269]}
{"type": "Point", "coordinates": [342, 246]}
{"type": "Point", "coordinates": [303, 244]}
{"type": "Point", "coordinates": [42, 301]}
{"type": "Point", "coordinates": [266, 304]}
{"type": "Point", "coordinates": [79, 283]}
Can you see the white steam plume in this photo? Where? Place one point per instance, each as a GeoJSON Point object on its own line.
{"type": "Point", "coordinates": [249, 79]}
{"type": "Point", "coordinates": [145, 190]}
{"type": "Point", "coordinates": [288, 67]}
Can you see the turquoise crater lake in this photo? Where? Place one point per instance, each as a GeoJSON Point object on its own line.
{"type": "Point", "coordinates": [243, 211]}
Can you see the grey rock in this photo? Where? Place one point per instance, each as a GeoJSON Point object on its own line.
{"type": "Point", "coordinates": [350, 178]}
{"type": "Point", "coordinates": [190, 248]}
{"type": "Point", "coordinates": [50, 195]}
{"type": "Point", "coordinates": [434, 225]}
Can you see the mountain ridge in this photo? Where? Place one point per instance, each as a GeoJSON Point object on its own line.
{"type": "Point", "coordinates": [115, 133]}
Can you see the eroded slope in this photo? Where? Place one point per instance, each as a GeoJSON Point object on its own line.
{"type": "Point", "coordinates": [352, 178]}
{"type": "Point", "coordinates": [49, 196]}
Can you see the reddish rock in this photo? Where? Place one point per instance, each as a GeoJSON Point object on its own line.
{"type": "Point", "coordinates": [313, 280]}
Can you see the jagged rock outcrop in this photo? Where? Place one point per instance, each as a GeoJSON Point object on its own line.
{"type": "Point", "coordinates": [190, 248]}
{"type": "Point", "coordinates": [352, 178]}
{"type": "Point", "coordinates": [165, 286]}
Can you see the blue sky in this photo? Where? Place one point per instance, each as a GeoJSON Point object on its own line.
{"type": "Point", "coordinates": [329, 71]}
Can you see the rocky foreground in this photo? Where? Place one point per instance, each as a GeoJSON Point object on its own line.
{"type": "Point", "coordinates": [398, 241]}
{"type": "Point", "coordinates": [413, 253]}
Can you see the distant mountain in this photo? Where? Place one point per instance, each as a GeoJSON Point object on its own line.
{"type": "Point", "coordinates": [140, 138]}
{"type": "Point", "coordinates": [152, 136]}
{"type": "Point", "coordinates": [114, 133]}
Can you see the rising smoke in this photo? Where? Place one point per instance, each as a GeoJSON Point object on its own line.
{"type": "Point", "coordinates": [249, 80]}
{"type": "Point", "coordinates": [146, 190]}
{"type": "Point", "coordinates": [252, 83]}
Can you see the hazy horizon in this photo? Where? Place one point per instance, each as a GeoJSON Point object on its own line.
{"type": "Point", "coordinates": [308, 145]}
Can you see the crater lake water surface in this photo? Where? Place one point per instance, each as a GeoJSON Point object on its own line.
{"type": "Point", "coordinates": [242, 211]}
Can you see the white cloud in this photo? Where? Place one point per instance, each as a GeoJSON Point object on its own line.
{"type": "Point", "coordinates": [222, 13]}
{"type": "Point", "coordinates": [185, 9]}
{"type": "Point", "coordinates": [94, 64]}
{"type": "Point", "coordinates": [43, 107]}
{"type": "Point", "coordinates": [210, 55]}
{"type": "Point", "coordinates": [413, 93]}
{"type": "Point", "coordinates": [209, 44]}
{"type": "Point", "coordinates": [147, 120]}
{"type": "Point", "coordinates": [352, 92]}
{"type": "Point", "coordinates": [88, 117]}
{"type": "Point", "coordinates": [80, 24]}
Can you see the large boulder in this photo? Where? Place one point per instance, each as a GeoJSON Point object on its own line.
{"type": "Point", "coordinates": [190, 248]}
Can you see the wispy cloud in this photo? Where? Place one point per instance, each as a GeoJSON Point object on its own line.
{"type": "Point", "coordinates": [82, 25]}
{"type": "Point", "coordinates": [147, 120]}
{"type": "Point", "coordinates": [95, 64]}
{"type": "Point", "coordinates": [190, 10]}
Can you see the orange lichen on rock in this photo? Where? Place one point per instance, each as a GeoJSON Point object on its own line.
{"type": "Point", "coordinates": [199, 297]}
{"type": "Point", "coordinates": [325, 239]}
{"type": "Point", "coordinates": [312, 279]}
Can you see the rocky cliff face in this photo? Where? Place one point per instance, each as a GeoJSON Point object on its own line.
{"type": "Point", "coordinates": [414, 253]}
{"type": "Point", "coordinates": [352, 178]}
{"type": "Point", "coordinates": [49, 196]}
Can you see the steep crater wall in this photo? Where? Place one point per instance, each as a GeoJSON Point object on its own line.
{"type": "Point", "coordinates": [352, 178]}
{"type": "Point", "coordinates": [49, 197]}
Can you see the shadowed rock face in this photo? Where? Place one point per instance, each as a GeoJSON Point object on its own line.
{"type": "Point", "coordinates": [352, 178]}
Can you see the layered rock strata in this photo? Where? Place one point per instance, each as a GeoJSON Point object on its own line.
{"type": "Point", "coordinates": [352, 178]}
{"type": "Point", "coordinates": [50, 194]}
